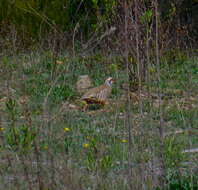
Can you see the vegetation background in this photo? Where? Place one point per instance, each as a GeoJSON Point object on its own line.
{"type": "Point", "coordinates": [146, 138]}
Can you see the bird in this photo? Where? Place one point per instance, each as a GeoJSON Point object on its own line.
{"type": "Point", "coordinates": [99, 94]}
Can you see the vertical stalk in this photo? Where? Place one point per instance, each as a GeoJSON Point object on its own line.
{"type": "Point", "coordinates": [139, 66]}
{"type": "Point", "coordinates": [38, 161]}
{"type": "Point", "coordinates": [140, 73]}
{"type": "Point", "coordinates": [26, 172]}
{"type": "Point", "coordinates": [161, 130]}
{"type": "Point", "coordinates": [128, 106]}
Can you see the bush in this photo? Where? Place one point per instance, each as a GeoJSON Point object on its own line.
{"type": "Point", "coordinates": [36, 18]}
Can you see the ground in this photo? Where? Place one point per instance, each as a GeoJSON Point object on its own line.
{"type": "Point", "coordinates": [47, 141]}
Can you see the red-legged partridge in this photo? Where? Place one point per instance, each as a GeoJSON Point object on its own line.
{"type": "Point", "coordinates": [98, 95]}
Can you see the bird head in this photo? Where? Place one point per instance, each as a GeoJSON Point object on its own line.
{"type": "Point", "coordinates": [109, 81]}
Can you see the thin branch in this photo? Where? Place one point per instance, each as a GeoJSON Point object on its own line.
{"type": "Point", "coordinates": [128, 106]}
{"type": "Point", "coordinates": [161, 130]}
{"type": "Point", "coordinates": [73, 37]}
{"type": "Point", "coordinates": [192, 150]}
{"type": "Point", "coordinates": [139, 65]}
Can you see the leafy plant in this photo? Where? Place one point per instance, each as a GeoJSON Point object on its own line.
{"type": "Point", "coordinates": [63, 92]}
{"type": "Point", "coordinates": [173, 153]}
{"type": "Point", "coordinates": [106, 162]}
{"type": "Point", "coordinates": [17, 137]}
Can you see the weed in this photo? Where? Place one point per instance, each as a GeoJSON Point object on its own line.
{"type": "Point", "coordinates": [91, 147]}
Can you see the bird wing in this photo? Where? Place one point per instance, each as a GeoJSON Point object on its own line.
{"type": "Point", "coordinates": [104, 93]}
{"type": "Point", "coordinates": [97, 93]}
{"type": "Point", "coordinates": [92, 92]}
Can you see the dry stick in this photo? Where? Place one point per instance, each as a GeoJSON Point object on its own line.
{"type": "Point", "coordinates": [25, 169]}
{"type": "Point", "coordinates": [192, 150]}
{"type": "Point", "coordinates": [93, 38]}
{"type": "Point", "coordinates": [73, 38]}
{"type": "Point", "coordinates": [189, 131]}
{"type": "Point", "coordinates": [37, 153]}
{"type": "Point", "coordinates": [45, 113]}
{"type": "Point", "coordinates": [139, 65]}
{"type": "Point", "coordinates": [161, 130]}
{"type": "Point", "coordinates": [139, 70]}
{"type": "Point", "coordinates": [128, 106]}
{"type": "Point", "coordinates": [148, 80]}
{"type": "Point", "coordinates": [38, 161]}
{"type": "Point", "coordinates": [117, 110]}
{"type": "Point", "coordinates": [47, 122]}
{"type": "Point", "coordinates": [97, 41]}
{"type": "Point", "coordinates": [53, 183]}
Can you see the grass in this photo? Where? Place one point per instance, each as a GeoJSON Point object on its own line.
{"type": "Point", "coordinates": [45, 144]}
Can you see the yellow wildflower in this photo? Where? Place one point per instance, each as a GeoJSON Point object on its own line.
{"type": "Point", "coordinates": [1, 128]}
{"type": "Point", "coordinates": [66, 129]}
{"type": "Point", "coordinates": [86, 145]}
{"type": "Point", "coordinates": [45, 147]}
{"type": "Point", "coordinates": [124, 141]}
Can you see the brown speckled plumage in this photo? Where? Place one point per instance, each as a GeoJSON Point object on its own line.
{"type": "Point", "coordinates": [98, 95]}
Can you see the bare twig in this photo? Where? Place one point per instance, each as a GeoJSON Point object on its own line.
{"type": "Point", "coordinates": [192, 150]}
{"type": "Point", "coordinates": [161, 130]}
{"type": "Point", "coordinates": [139, 65]}
{"type": "Point", "coordinates": [128, 106]}
{"type": "Point", "coordinates": [26, 172]}
{"type": "Point", "coordinates": [73, 38]}
{"type": "Point", "coordinates": [38, 164]}
{"type": "Point", "coordinates": [182, 131]}
{"type": "Point", "coordinates": [95, 41]}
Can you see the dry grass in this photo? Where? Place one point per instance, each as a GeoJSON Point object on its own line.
{"type": "Point", "coordinates": [47, 144]}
